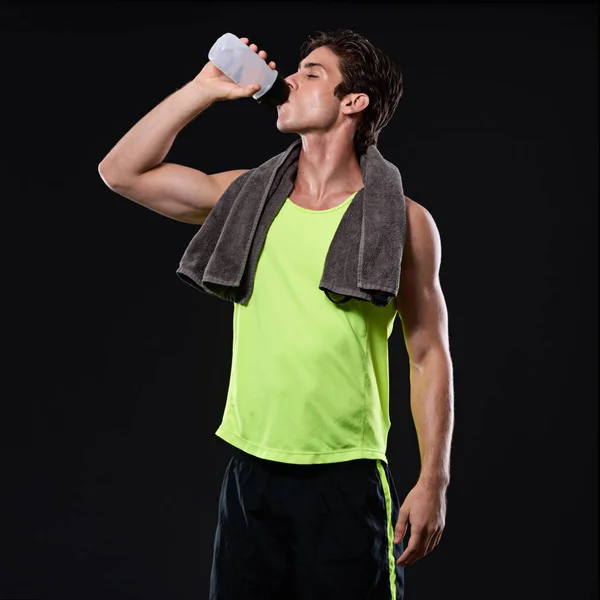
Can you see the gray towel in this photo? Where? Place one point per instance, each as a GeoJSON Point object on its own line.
{"type": "Point", "coordinates": [363, 260]}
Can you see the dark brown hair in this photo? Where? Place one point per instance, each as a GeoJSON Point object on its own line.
{"type": "Point", "coordinates": [364, 69]}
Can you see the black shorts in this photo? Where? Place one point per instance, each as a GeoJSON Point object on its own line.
{"type": "Point", "coordinates": [306, 532]}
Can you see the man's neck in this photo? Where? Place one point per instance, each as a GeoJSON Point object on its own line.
{"type": "Point", "coordinates": [326, 169]}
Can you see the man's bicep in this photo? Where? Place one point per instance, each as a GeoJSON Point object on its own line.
{"type": "Point", "coordinates": [176, 191]}
{"type": "Point", "coordinates": [421, 304]}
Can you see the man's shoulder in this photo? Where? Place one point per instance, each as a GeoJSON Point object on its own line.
{"type": "Point", "coordinates": [423, 242]}
{"type": "Point", "coordinates": [413, 207]}
{"type": "Point", "coordinates": [418, 216]}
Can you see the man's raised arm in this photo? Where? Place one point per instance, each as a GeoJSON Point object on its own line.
{"type": "Point", "coordinates": [134, 168]}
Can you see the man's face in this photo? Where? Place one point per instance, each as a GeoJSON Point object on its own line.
{"type": "Point", "coordinates": [311, 105]}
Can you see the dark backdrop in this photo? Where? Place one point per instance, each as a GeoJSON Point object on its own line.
{"type": "Point", "coordinates": [111, 470]}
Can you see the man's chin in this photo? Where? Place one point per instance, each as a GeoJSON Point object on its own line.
{"type": "Point", "coordinates": [285, 127]}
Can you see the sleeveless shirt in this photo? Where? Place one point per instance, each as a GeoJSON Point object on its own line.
{"type": "Point", "coordinates": [309, 380]}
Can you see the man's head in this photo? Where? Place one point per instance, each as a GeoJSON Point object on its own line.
{"type": "Point", "coordinates": [355, 92]}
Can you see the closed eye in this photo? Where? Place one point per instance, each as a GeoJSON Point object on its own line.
{"type": "Point", "coordinates": [312, 75]}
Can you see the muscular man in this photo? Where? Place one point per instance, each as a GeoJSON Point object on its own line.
{"type": "Point", "coordinates": [308, 506]}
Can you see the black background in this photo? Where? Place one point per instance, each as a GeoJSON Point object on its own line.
{"type": "Point", "coordinates": [111, 470]}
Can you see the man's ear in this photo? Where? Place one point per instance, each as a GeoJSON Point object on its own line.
{"type": "Point", "coordinates": [354, 103]}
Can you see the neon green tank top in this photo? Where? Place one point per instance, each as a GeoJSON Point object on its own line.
{"type": "Point", "coordinates": [309, 378]}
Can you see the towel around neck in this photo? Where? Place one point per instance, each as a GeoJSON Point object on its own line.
{"type": "Point", "coordinates": [363, 260]}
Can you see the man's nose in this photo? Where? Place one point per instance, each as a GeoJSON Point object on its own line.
{"type": "Point", "coordinates": [291, 81]}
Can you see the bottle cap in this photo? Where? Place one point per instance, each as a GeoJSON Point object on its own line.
{"type": "Point", "coordinates": [277, 94]}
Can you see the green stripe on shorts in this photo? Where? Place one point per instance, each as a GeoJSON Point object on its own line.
{"type": "Point", "coordinates": [390, 529]}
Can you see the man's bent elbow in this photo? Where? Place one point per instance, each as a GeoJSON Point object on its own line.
{"type": "Point", "coordinates": [110, 176]}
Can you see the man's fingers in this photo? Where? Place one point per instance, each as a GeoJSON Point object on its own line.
{"type": "Point", "coordinates": [435, 538]}
{"type": "Point", "coordinates": [412, 550]}
{"type": "Point", "coordinates": [249, 90]}
{"type": "Point", "coordinates": [243, 91]}
{"type": "Point", "coordinates": [419, 544]}
{"type": "Point", "coordinates": [263, 54]}
{"type": "Point", "coordinates": [401, 525]}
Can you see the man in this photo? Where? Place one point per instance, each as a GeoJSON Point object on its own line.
{"type": "Point", "coordinates": [308, 506]}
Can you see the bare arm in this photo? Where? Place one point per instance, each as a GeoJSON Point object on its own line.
{"type": "Point", "coordinates": [422, 308]}
{"type": "Point", "coordinates": [135, 167]}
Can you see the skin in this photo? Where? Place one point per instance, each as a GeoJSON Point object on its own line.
{"type": "Point", "coordinates": [328, 172]}
{"type": "Point", "coordinates": [422, 309]}
{"type": "Point", "coordinates": [328, 167]}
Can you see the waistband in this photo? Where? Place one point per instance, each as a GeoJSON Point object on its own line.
{"type": "Point", "coordinates": [278, 467]}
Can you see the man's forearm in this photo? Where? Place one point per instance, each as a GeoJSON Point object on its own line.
{"type": "Point", "coordinates": [432, 405]}
{"type": "Point", "coordinates": [148, 142]}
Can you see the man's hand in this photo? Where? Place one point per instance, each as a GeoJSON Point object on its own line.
{"type": "Point", "coordinates": [425, 509]}
{"type": "Point", "coordinates": [223, 87]}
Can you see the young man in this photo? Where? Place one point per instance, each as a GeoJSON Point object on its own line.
{"type": "Point", "coordinates": [308, 506]}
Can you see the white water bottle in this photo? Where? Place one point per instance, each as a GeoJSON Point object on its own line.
{"type": "Point", "coordinates": [244, 66]}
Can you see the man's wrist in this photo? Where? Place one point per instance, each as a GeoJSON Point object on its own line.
{"type": "Point", "coordinates": [205, 89]}
{"type": "Point", "coordinates": [434, 479]}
